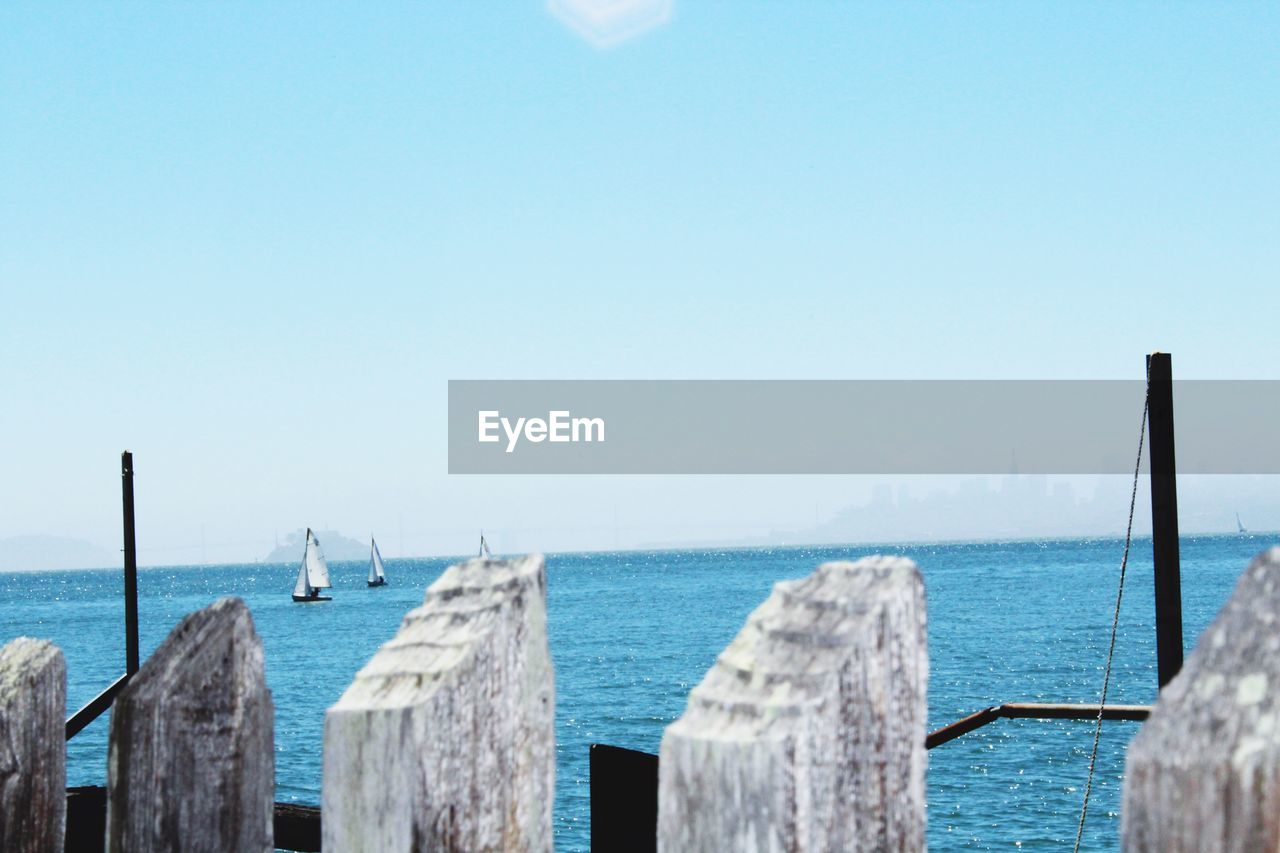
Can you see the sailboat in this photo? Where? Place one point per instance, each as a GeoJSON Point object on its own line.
{"type": "Point", "coordinates": [484, 549]}
{"type": "Point", "coordinates": [377, 577]}
{"type": "Point", "coordinates": [1239, 526]}
{"type": "Point", "coordinates": [313, 576]}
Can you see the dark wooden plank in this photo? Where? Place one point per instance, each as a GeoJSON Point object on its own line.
{"type": "Point", "coordinates": [1051, 711]}
{"type": "Point", "coordinates": [962, 726]}
{"type": "Point", "coordinates": [130, 566]}
{"type": "Point", "coordinates": [94, 707]}
{"type": "Point", "coordinates": [624, 800]}
{"type": "Point", "coordinates": [86, 819]}
{"type": "Point", "coordinates": [296, 827]}
{"type": "Point", "coordinates": [1164, 519]}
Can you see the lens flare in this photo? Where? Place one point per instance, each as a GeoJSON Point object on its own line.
{"type": "Point", "coordinates": [606, 23]}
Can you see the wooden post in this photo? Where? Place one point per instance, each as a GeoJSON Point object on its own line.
{"type": "Point", "coordinates": [446, 739]}
{"type": "Point", "coordinates": [130, 567]}
{"type": "Point", "coordinates": [1203, 773]}
{"type": "Point", "coordinates": [33, 751]}
{"type": "Point", "coordinates": [808, 733]}
{"type": "Point", "coordinates": [624, 799]}
{"type": "Point", "coordinates": [1164, 519]}
{"type": "Point", "coordinates": [191, 761]}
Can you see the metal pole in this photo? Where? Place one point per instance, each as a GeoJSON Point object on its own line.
{"type": "Point", "coordinates": [130, 568]}
{"type": "Point", "coordinates": [1164, 519]}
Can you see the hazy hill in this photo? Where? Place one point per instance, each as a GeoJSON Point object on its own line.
{"type": "Point", "coordinates": [334, 545]}
{"type": "Point", "coordinates": [32, 553]}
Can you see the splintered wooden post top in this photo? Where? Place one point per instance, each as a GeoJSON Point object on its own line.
{"type": "Point", "coordinates": [808, 732]}
{"type": "Point", "coordinates": [1203, 773]}
{"type": "Point", "coordinates": [445, 740]}
{"type": "Point", "coordinates": [191, 760]}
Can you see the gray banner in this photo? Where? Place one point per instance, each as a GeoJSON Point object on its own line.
{"type": "Point", "coordinates": [850, 427]}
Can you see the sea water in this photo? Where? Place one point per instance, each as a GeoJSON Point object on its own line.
{"type": "Point", "coordinates": [632, 632]}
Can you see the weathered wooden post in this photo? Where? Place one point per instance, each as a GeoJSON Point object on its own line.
{"type": "Point", "coordinates": [808, 732]}
{"type": "Point", "coordinates": [191, 761]}
{"type": "Point", "coordinates": [33, 749]}
{"type": "Point", "coordinates": [446, 739]}
{"type": "Point", "coordinates": [1203, 773]}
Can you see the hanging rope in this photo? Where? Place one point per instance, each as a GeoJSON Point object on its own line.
{"type": "Point", "coordinates": [1115, 619]}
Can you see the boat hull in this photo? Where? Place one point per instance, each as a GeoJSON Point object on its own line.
{"type": "Point", "coordinates": [376, 583]}
{"type": "Point", "coordinates": [308, 599]}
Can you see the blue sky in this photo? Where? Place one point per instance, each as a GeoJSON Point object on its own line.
{"type": "Point", "coordinates": [253, 242]}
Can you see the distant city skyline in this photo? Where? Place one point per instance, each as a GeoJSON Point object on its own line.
{"type": "Point", "coordinates": [252, 245]}
{"type": "Point", "coordinates": [951, 509]}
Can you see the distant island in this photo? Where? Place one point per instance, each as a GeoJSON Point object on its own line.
{"type": "Point", "coordinates": [334, 545]}
{"type": "Point", "coordinates": [43, 553]}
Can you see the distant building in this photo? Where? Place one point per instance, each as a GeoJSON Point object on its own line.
{"type": "Point", "coordinates": [334, 544]}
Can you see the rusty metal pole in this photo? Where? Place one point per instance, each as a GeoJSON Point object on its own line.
{"type": "Point", "coordinates": [130, 567]}
{"type": "Point", "coordinates": [1164, 519]}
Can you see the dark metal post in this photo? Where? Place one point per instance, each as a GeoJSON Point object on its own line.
{"type": "Point", "coordinates": [130, 568]}
{"type": "Point", "coordinates": [1164, 519]}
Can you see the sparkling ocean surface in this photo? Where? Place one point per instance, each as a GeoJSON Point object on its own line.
{"type": "Point", "coordinates": [632, 632]}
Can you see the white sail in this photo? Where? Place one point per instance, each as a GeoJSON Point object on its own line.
{"type": "Point", "coordinates": [484, 548]}
{"type": "Point", "coordinates": [313, 560]}
{"type": "Point", "coordinates": [376, 572]}
{"type": "Point", "coordinates": [302, 589]}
